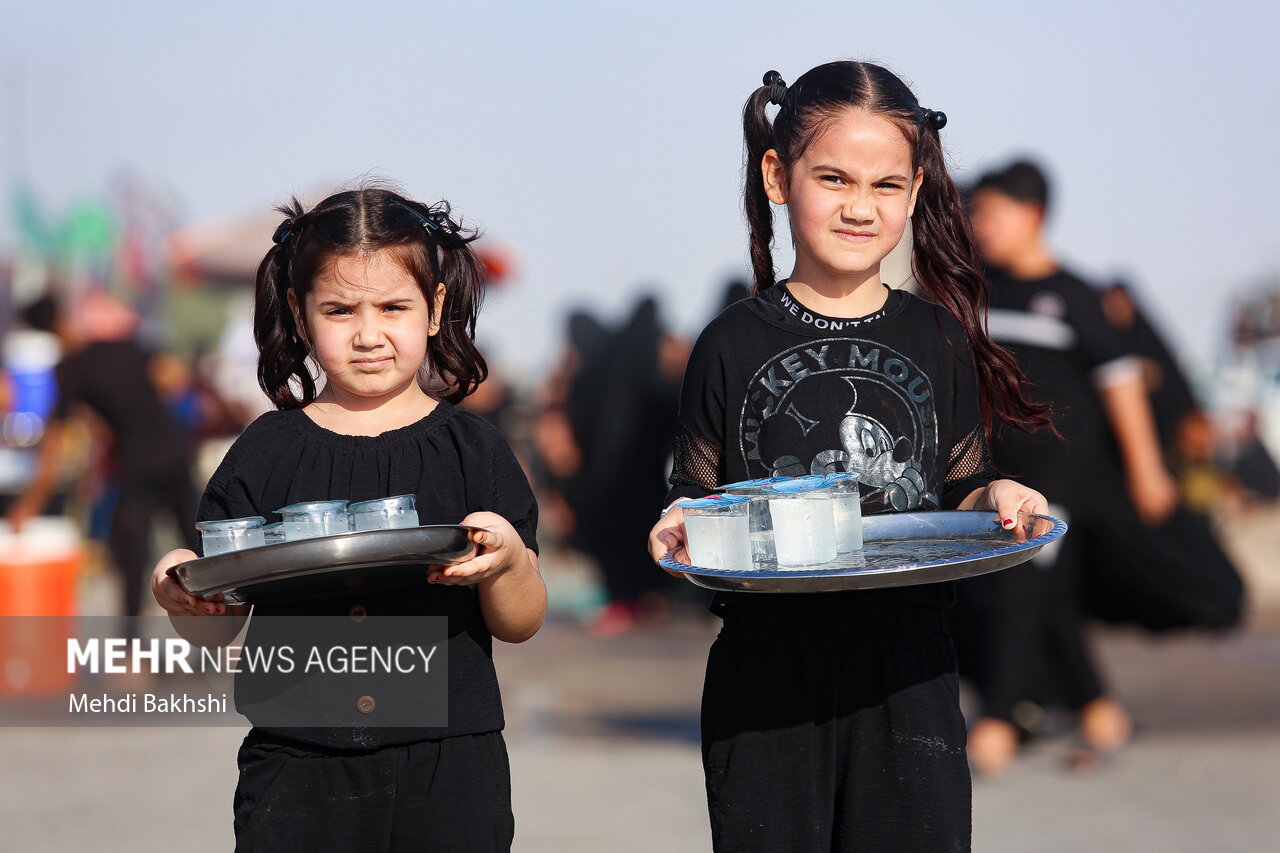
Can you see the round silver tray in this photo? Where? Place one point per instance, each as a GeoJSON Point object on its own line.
{"type": "Point", "coordinates": [326, 565]}
{"type": "Point", "coordinates": [900, 549]}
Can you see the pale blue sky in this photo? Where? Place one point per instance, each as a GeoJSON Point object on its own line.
{"type": "Point", "coordinates": [602, 140]}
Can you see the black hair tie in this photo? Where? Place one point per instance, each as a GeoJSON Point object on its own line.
{"type": "Point", "coordinates": [283, 232]}
{"type": "Point", "coordinates": [777, 86]}
{"type": "Point", "coordinates": [935, 119]}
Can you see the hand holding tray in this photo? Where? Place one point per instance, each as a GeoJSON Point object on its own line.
{"type": "Point", "coordinates": [900, 549]}
{"type": "Point", "coordinates": [327, 565]}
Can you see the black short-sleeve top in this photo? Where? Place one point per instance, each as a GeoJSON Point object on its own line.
{"type": "Point", "coordinates": [775, 389]}
{"type": "Point", "coordinates": [455, 463]}
{"type": "Point", "coordinates": [1067, 348]}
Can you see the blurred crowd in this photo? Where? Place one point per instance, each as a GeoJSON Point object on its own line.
{"type": "Point", "coordinates": [103, 422]}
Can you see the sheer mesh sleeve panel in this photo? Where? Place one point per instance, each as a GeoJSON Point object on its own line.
{"type": "Point", "coordinates": [969, 467]}
{"type": "Point", "coordinates": [697, 462]}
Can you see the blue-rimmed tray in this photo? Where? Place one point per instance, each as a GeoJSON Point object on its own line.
{"type": "Point", "coordinates": [327, 565]}
{"type": "Point", "coordinates": [900, 549]}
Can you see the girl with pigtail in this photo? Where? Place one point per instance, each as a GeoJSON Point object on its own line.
{"type": "Point", "coordinates": [831, 721]}
{"type": "Point", "coordinates": [381, 293]}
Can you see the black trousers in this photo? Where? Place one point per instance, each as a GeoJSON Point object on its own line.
{"type": "Point", "coordinates": [444, 796]}
{"type": "Point", "coordinates": [1023, 634]}
{"type": "Point", "coordinates": [835, 729]}
{"type": "Point", "coordinates": [129, 540]}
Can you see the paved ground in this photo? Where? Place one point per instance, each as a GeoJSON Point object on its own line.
{"type": "Point", "coordinates": [603, 741]}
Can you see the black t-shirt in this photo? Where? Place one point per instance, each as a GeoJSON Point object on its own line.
{"type": "Point", "coordinates": [774, 389]}
{"type": "Point", "coordinates": [456, 464]}
{"type": "Point", "coordinates": [1064, 343]}
{"type": "Point", "coordinates": [113, 378]}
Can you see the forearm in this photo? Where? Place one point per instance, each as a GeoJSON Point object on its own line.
{"type": "Point", "coordinates": [211, 631]}
{"type": "Point", "coordinates": [1128, 410]}
{"type": "Point", "coordinates": [514, 603]}
{"type": "Point", "coordinates": [35, 497]}
{"type": "Point", "coordinates": [974, 499]}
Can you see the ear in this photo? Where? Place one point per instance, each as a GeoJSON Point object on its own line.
{"type": "Point", "coordinates": [292, 297]}
{"type": "Point", "coordinates": [437, 310]}
{"type": "Point", "coordinates": [775, 177]}
{"type": "Point", "coordinates": [915, 190]}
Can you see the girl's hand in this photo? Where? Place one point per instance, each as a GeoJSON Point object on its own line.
{"type": "Point", "coordinates": [1008, 498]}
{"type": "Point", "coordinates": [498, 549]}
{"type": "Point", "coordinates": [668, 536]}
{"type": "Point", "coordinates": [170, 595]}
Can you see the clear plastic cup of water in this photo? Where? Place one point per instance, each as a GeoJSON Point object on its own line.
{"type": "Point", "coordinates": [763, 553]}
{"type": "Point", "coordinates": [233, 534]}
{"type": "Point", "coordinates": [804, 532]}
{"type": "Point", "coordinates": [273, 532]}
{"type": "Point", "coordinates": [718, 532]}
{"type": "Point", "coordinates": [846, 507]}
{"type": "Point", "coordinates": [309, 519]}
{"type": "Point", "coordinates": [384, 513]}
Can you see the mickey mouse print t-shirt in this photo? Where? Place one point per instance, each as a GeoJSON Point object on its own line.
{"type": "Point", "coordinates": [774, 389]}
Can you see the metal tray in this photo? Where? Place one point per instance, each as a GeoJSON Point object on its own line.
{"type": "Point", "coordinates": [901, 549]}
{"type": "Point", "coordinates": [326, 565]}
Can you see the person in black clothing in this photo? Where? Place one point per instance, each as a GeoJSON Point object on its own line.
{"type": "Point", "coordinates": [832, 721]}
{"type": "Point", "coordinates": [113, 379]}
{"type": "Point", "coordinates": [382, 293]}
{"type": "Point", "coordinates": [1027, 625]}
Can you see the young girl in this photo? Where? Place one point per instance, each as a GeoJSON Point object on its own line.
{"type": "Point", "coordinates": [382, 293]}
{"type": "Point", "coordinates": [831, 721]}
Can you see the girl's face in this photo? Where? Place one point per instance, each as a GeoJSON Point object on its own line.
{"type": "Point", "coordinates": [848, 197]}
{"type": "Point", "coordinates": [367, 322]}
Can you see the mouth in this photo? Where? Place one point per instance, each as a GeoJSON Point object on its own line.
{"type": "Point", "coordinates": [370, 363]}
{"type": "Point", "coordinates": [855, 236]}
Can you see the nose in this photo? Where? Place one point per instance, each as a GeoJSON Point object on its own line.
{"type": "Point", "coordinates": [368, 332]}
{"type": "Point", "coordinates": [858, 207]}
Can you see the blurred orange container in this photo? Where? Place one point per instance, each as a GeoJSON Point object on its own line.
{"type": "Point", "coordinates": [38, 572]}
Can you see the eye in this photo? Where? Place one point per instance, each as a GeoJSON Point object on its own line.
{"type": "Point", "coordinates": [889, 186]}
{"type": "Point", "coordinates": [396, 308]}
{"type": "Point", "coordinates": [333, 312]}
{"type": "Point", "coordinates": [832, 180]}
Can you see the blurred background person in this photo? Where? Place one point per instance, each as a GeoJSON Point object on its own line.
{"type": "Point", "coordinates": [1023, 630]}
{"type": "Point", "coordinates": [107, 375]}
{"type": "Point", "coordinates": [604, 436]}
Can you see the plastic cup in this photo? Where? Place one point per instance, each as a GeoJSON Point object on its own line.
{"type": "Point", "coordinates": [846, 508]}
{"type": "Point", "coordinates": [273, 533]}
{"type": "Point", "coordinates": [717, 532]}
{"type": "Point", "coordinates": [310, 519]}
{"type": "Point", "coordinates": [384, 513]}
{"type": "Point", "coordinates": [804, 532]}
{"type": "Point", "coordinates": [763, 552]}
{"type": "Point", "coordinates": [233, 534]}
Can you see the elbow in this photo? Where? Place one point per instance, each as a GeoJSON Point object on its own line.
{"type": "Point", "coordinates": [518, 633]}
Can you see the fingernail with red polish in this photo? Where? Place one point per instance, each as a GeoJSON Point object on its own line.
{"type": "Point", "coordinates": [1008, 522]}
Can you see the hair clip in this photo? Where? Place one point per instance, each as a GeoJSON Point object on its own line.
{"type": "Point", "coordinates": [777, 86]}
{"type": "Point", "coordinates": [935, 119]}
{"type": "Point", "coordinates": [433, 227]}
{"type": "Point", "coordinates": [283, 231]}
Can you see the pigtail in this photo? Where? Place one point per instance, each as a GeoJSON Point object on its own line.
{"type": "Point", "coordinates": [282, 351]}
{"type": "Point", "coordinates": [757, 134]}
{"type": "Point", "coordinates": [946, 264]}
{"type": "Point", "coordinates": [452, 355]}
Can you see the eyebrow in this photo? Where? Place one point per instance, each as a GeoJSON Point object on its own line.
{"type": "Point", "coordinates": [836, 170]}
{"type": "Point", "coordinates": [339, 303]}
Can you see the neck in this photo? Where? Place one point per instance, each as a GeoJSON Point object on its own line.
{"type": "Point", "coordinates": [851, 295]}
{"type": "Point", "coordinates": [351, 414]}
{"type": "Point", "coordinates": [1035, 261]}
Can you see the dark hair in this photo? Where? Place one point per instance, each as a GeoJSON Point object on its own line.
{"type": "Point", "coordinates": [42, 314]}
{"type": "Point", "coordinates": [423, 238]}
{"type": "Point", "coordinates": [1021, 181]}
{"type": "Point", "coordinates": [944, 258]}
